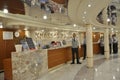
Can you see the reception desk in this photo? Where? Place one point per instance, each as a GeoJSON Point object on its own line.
{"type": "Point", "coordinates": [30, 65]}
{"type": "Point", "coordinates": [62, 55]}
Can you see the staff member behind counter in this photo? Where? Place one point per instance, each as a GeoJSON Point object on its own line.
{"type": "Point", "coordinates": [75, 47]}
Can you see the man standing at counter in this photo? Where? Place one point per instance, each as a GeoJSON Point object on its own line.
{"type": "Point", "coordinates": [75, 47]}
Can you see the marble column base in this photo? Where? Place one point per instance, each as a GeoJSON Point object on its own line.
{"type": "Point", "coordinates": [107, 54]}
{"type": "Point", "coordinates": [90, 62]}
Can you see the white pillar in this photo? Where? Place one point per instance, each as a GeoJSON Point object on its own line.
{"type": "Point", "coordinates": [106, 35]}
{"type": "Point", "coordinates": [105, 16]}
{"type": "Point", "coordinates": [106, 44]}
{"type": "Point", "coordinates": [89, 46]}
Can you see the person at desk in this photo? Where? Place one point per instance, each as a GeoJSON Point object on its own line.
{"type": "Point", "coordinates": [75, 47]}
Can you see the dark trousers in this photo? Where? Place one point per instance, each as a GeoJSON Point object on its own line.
{"type": "Point", "coordinates": [115, 47]}
{"type": "Point", "coordinates": [102, 50]}
{"type": "Point", "coordinates": [110, 47]}
{"type": "Point", "coordinates": [75, 52]}
{"type": "Point", "coordinates": [84, 46]}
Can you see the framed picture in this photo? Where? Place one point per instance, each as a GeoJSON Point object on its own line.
{"type": "Point", "coordinates": [7, 35]}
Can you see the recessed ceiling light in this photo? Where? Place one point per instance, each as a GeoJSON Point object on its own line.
{"type": "Point", "coordinates": [42, 30]}
{"type": "Point", "coordinates": [96, 69]}
{"type": "Point", "coordinates": [85, 12]}
{"type": "Point", "coordinates": [89, 5]}
{"type": "Point", "coordinates": [84, 79]}
{"type": "Point", "coordinates": [83, 17]}
{"type": "Point", "coordinates": [114, 77]}
{"type": "Point", "coordinates": [26, 29]}
{"type": "Point", "coordinates": [5, 10]}
{"type": "Point", "coordinates": [74, 25]}
{"type": "Point", "coordinates": [111, 28]}
{"type": "Point", "coordinates": [108, 20]}
{"type": "Point", "coordinates": [118, 69]}
{"type": "Point", "coordinates": [1, 26]}
{"type": "Point", "coordinates": [94, 28]}
{"type": "Point", "coordinates": [116, 30]}
{"type": "Point", "coordinates": [45, 17]}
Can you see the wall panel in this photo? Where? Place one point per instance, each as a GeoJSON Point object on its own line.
{"type": "Point", "coordinates": [7, 46]}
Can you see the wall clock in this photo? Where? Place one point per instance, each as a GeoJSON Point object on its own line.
{"type": "Point", "coordinates": [17, 34]}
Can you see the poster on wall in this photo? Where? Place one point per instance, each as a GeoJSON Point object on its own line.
{"type": "Point", "coordinates": [30, 43]}
{"type": "Point", "coordinates": [7, 35]}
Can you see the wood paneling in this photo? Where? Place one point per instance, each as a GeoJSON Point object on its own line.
{"type": "Point", "coordinates": [60, 56]}
{"type": "Point", "coordinates": [7, 46]}
{"type": "Point", "coordinates": [96, 48]}
{"type": "Point", "coordinates": [56, 57]}
{"type": "Point", "coordinates": [7, 69]}
{"type": "Point", "coordinates": [14, 6]}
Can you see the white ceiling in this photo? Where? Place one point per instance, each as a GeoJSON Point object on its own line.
{"type": "Point", "coordinates": [76, 12]}
{"type": "Point", "coordinates": [77, 9]}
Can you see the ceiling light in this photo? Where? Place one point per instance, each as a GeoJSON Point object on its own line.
{"type": "Point", "coordinates": [25, 29]}
{"type": "Point", "coordinates": [112, 31]}
{"type": "Point", "coordinates": [114, 77]}
{"type": "Point", "coordinates": [44, 17]}
{"type": "Point", "coordinates": [85, 12]}
{"type": "Point", "coordinates": [111, 28]}
{"type": "Point", "coordinates": [84, 79]}
{"type": "Point", "coordinates": [1, 26]}
{"type": "Point", "coordinates": [74, 25]}
{"type": "Point", "coordinates": [96, 69]}
{"type": "Point", "coordinates": [5, 10]}
{"type": "Point", "coordinates": [94, 28]}
{"type": "Point", "coordinates": [116, 31]}
{"type": "Point", "coordinates": [118, 69]}
{"type": "Point", "coordinates": [42, 30]}
{"type": "Point", "coordinates": [89, 5]}
{"type": "Point", "coordinates": [83, 17]}
{"type": "Point", "coordinates": [108, 20]}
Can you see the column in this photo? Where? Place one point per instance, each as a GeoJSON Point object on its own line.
{"type": "Point", "coordinates": [89, 46]}
{"type": "Point", "coordinates": [106, 35]}
{"type": "Point", "coordinates": [106, 43]}
{"type": "Point", "coordinates": [105, 16]}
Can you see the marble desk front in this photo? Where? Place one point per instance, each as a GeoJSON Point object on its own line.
{"type": "Point", "coordinates": [29, 65]}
